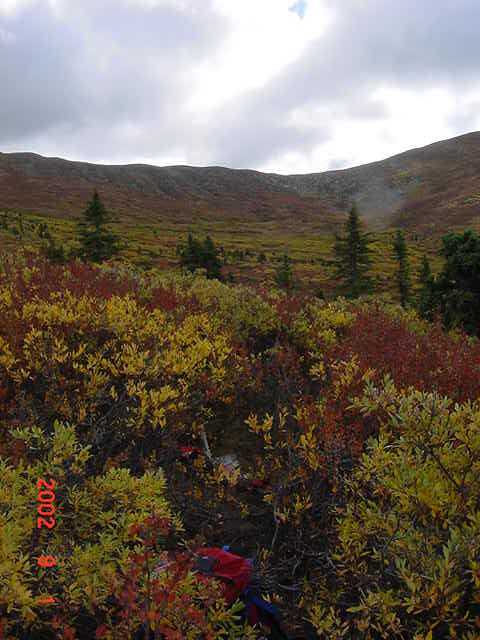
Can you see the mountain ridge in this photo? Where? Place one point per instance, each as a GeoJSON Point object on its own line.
{"type": "Point", "coordinates": [433, 188]}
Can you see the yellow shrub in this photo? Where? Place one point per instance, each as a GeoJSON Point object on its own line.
{"type": "Point", "coordinates": [406, 564]}
{"type": "Point", "coordinates": [90, 539]}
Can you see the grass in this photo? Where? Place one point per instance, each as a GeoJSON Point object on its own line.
{"type": "Point", "coordinates": [154, 244]}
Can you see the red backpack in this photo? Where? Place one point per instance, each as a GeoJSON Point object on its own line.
{"type": "Point", "coordinates": [236, 573]}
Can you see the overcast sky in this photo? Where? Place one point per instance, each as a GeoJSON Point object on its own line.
{"type": "Point", "coordinates": [291, 86]}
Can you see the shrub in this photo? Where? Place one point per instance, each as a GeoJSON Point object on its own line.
{"type": "Point", "coordinates": [406, 563]}
{"type": "Point", "coordinates": [249, 413]}
{"type": "Point", "coordinates": [89, 541]}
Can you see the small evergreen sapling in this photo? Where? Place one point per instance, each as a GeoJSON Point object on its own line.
{"type": "Point", "coordinates": [426, 296]}
{"type": "Point", "coordinates": [97, 243]}
{"type": "Point", "coordinates": [55, 252]}
{"type": "Point", "coordinates": [211, 259]}
{"type": "Point", "coordinates": [403, 272]}
{"type": "Point", "coordinates": [284, 273]}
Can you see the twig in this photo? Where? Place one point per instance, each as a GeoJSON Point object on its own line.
{"type": "Point", "coordinates": [206, 447]}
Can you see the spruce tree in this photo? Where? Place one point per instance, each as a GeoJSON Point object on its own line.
{"type": "Point", "coordinates": [426, 296]}
{"type": "Point", "coordinates": [425, 273]}
{"type": "Point", "coordinates": [210, 259]}
{"type": "Point", "coordinates": [284, 273]}
{"type": "Point", "coordinates": [55, 252]}
{"type": "Point", "coordinates": [403, 272]}
{"type": "Point", "coordinates": [352, 258]}
{"type": "Point", "coordinates": [458, 284]}
{"type": "Point", "coordinates": [190, 254]}
{"type": "Point", "coordinates": [197, 255]}
{"type": "Point", "coordinates": [97, 242]}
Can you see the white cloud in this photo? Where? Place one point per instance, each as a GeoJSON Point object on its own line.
{"type": "Point", "coordinates": [263, 38]}
{"type": "Point", "coordinates": [9, 7]}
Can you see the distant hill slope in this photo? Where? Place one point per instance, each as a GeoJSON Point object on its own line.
{"type": "Point", "coordinates": [432, 188]}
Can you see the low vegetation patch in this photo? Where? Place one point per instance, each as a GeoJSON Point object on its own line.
{"type": "Point", "coordinates": [335, 442]}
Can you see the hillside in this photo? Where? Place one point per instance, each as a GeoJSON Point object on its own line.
{"type": "Point", "coordinates": [430, 189]}
{"type": "Point", "coordinates": [30, 182]}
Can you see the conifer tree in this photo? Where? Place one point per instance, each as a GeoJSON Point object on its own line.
{"type": "Point", "coordinates": [210, 259]}
{"type": "Point", "coordinates": [55, 252]}
{"type": "Point", "coordinates": [425, 273]}
{"type": "Point", "coordinates": [426, 297]}
{"type": "Point", "coordinates": [284, 273]}
{"type": "Point", "coordinates": [403, 272]}
{"type": "Point", "coordinates": [457, 286]}
{"type": "Point", "coordinates": [97, 243]}
{"type": "Point", "coordinates": [197, 255]}
{"type": "Point", "coordinates": [352, 258]}
{"type": "Point", "coordinates": [190, 254]}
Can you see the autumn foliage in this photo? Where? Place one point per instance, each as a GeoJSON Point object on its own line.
{"type": "Point", "coordinates": [337, 443]}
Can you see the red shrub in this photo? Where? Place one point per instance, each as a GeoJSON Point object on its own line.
{"type": "Point", "coordinates": [431, 362]}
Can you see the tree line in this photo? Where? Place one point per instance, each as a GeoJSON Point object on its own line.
{"type": "Point", "coordinates": [453, 295]}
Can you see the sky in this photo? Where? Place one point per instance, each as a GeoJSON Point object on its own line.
{"type": "Point", "coordinates": [285, 86]}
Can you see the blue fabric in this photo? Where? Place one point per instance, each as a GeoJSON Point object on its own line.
{"type": "Point", "coordinates": [261, 604]}
{"type": "Point", "coordinates": [253, 600]}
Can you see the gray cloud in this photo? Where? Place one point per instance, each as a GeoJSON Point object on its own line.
{"type": "Point", "coordinates": [109, 79]}
{"type": "Point", "coordinates": [99, 70]}
{"type": "Point", "coordinates": [35, 73]}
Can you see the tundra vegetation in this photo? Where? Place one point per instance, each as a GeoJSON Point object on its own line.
{"type": "Point", "coordinates": [355, 422]}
